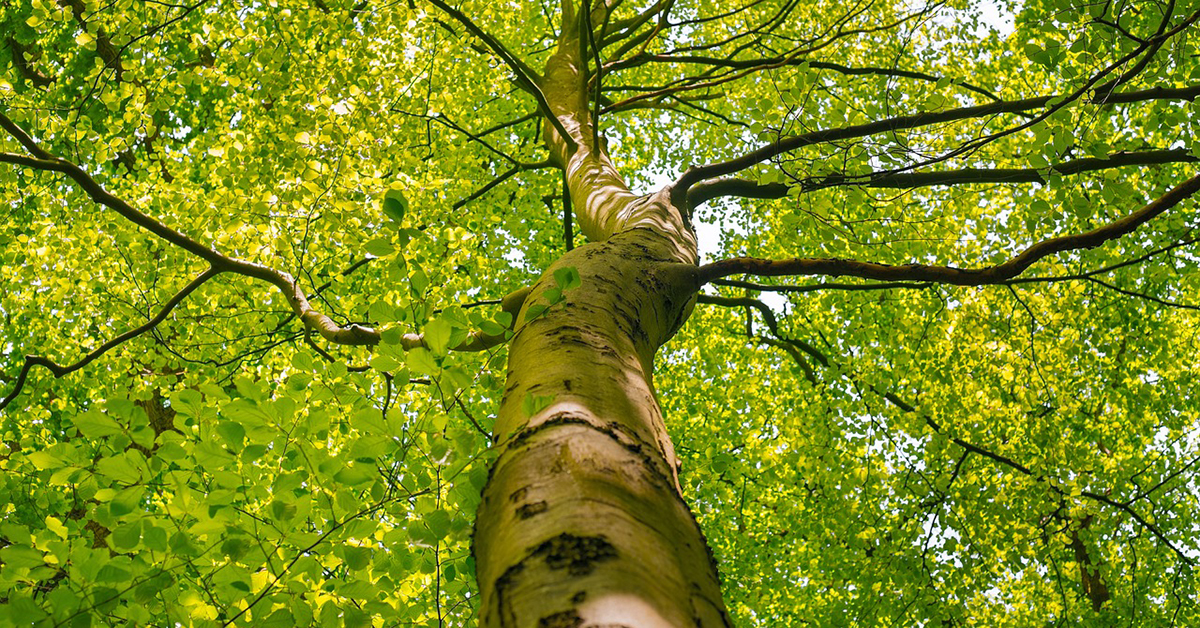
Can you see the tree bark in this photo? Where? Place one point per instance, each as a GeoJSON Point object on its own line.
{"type": "Point", "coordinates": [583, 522]}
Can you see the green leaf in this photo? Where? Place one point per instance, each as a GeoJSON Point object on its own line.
{"type": "Point", "coordinates": [534, 311]}
{"type": "Point", "coordinates": [420, 360]}
{"type": "Point", "coordinates": [20, 557]}
{"type": "Point", "coordinates": [395, 205]}
{"type": "Point", "coordinates": [392, 335]}
{"type": "Point", "coordinates": [491, 328]}
{"type": "Point", "coordinates": [154, 538]}
{"type": "Point", "coordinates": [121, 468]}
{"type": "Point", "coordinates": [283, 510]}
{"type": "Point", "coordinates": [95, 424]}
{"type": "Point", "coordinates": [43, 460]}
{"type": "Point", "coordinates": [127, 537]}
{"type": "Point", "coordinates": [235, 547]}
{"type": "Point", "coordinates": [533, 404]}
{"type": "Point", "coordinates": [357, 558]}
{"type": "Point", "coordinates": [384, 363]}
{"type": "Point", "coordinates": [567, 278]}
{"type": "Point", "coordinates": [437, 335]}
{"type": "Point", "coordinates": [419, 281]}
{"type": "Point", "coordinates": [354, 475]}
{"type": "Point", "coordinates": [379, 247]}
{"type": "Point", "coordinates": [232, 433]}
{"type": "Point", "coordinates": [438, 523]}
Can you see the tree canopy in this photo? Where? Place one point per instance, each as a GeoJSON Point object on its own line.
{"type": "Point", "coordinates": [262, 260]}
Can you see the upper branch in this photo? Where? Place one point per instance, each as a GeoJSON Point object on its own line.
{"type": "Point", "coordinates": [949, 274]}
{"type": "Point", "coordinates": [696, 175]}
{"type": "Point", "coordinates": [617, 30]}
{"type": "Point", "coordinates": [788, 60]}
{"type": "Point", "coordinates": [704, 192]}
{"type": "Point", "coordinates": [526, 77]}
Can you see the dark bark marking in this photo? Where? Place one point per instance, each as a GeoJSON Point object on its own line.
{"type": "Point", "coordinates": [565, 619]}
{"type": "Point", "coordinates": [503, 584]}
{"type": "Point", "coordinates": [518, 494]}
{"type": "Point", "coordinates": [554, 420]}
{"type": "Point", "coordinates": [532, 509]}
{"type": "Point", "coordinates": [614, 430]}
{"type": "Point", "coordinates": [577, 554]}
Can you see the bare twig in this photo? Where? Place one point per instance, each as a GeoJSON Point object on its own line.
{"type": "Point", "coordinates": [504, 176]}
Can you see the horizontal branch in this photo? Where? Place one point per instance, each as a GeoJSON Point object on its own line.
{"type": "Point", "coordinates": [698, 174]}
{"type": "Point", "coordinates": [895, 285]}
{"type": "Point", "coordinates": [745, 188]}
{"type": "Point", "coordinates": [850, 287]}
{"type": "Point", "coordinates": [60, 370]}
{"type": "Point", "coordinates": [1144, 296]}
{"type": "Point", "coordinates": [949, 274]}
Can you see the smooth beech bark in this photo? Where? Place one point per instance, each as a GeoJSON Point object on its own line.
{"type": "Point", "coordinates": [583, 522]}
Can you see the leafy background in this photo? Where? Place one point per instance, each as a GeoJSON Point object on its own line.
{"type": "Point", "coordinates": [223, 463]}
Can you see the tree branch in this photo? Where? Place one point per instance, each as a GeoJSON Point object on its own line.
{"type": "Point", "coordinates": [525, 76]}
{"type": "Point", "coordinates": [445, 120]}
{"type": "Point", "coordinates": [504, 176]}
{"type": "Point", "coordinates": [59, 370]}
{"type": "Point", "coordinates": [892, 285]}
{"type": "Point", "coordinates": [709, 79]}
{"type": "Point", "coordinates": [289, 287]}
{"type": "Point", "coordinates": [745, 188]}
{"type": "Point", "coordinates": [768, 318]}
{"type": "Point", "coordinates": [696, 175]}
{"type": "Point", "coordinates": [789, 61]}
{"type": "Point", "coordinates": [903, 406]}
{"type": "Point", "coordinates": [949, 274]}
{"type": "Point", "coordinates": [1141, 295]}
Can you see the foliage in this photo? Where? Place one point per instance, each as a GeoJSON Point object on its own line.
{"type": "Point", "coordinates": [229, 466]}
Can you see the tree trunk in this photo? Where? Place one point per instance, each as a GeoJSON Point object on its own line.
{"type": "Point", "coordinates": [582, 521]}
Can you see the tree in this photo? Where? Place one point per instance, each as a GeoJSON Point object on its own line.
{"type": "Point", "coordinates": [266, 262]}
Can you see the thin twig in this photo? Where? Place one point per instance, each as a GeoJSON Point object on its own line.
{"type": "Point", "coordinates": [59, 370]}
